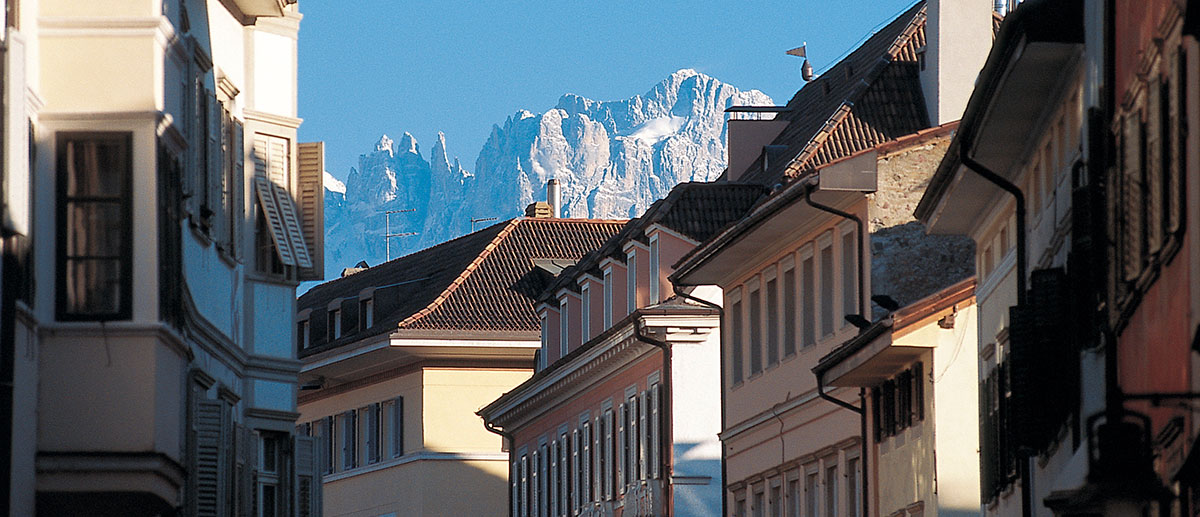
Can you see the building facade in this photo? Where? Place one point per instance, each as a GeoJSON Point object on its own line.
{"type": "Point", "coordinates": [1085, 238]}
{"type": "Point", "coordinates": [917, 359]}
{"type": "Point", "coordinates": [619, 419]}
{"type": "Point", "coordinates": [159, 214]}
{"type": "Point", "coordinates": [398, 358]}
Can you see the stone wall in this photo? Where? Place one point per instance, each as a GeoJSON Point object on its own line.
{"type": "Point", "coordinates": [908, 264]}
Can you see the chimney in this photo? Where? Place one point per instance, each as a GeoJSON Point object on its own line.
{"type": "Point", "coordinates": [958, 39]}
{"type": "Point", "coordinates": [539, 210]}
{"type": "Point", "coordinates": [554, 197]}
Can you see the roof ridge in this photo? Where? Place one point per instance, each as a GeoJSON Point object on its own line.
{"type": "Point", "coordinates": [844, 109]}
{"type": "Point", "coordinates": [462, 277]}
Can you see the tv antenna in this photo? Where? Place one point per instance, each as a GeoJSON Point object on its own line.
{"type": "Point", "coordinates": [480, 220]}
{"type": "Point", "coordinates": [387, 232]}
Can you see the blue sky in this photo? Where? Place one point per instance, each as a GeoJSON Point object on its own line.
{"type": "Point", "coordinates": [369, 67]}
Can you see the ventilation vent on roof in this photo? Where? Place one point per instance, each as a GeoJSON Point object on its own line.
{"type": "Point", "coordinates": [540, 209]}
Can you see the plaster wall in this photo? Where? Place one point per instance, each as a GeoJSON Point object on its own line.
{"type": "Point", "coordinates": [451, 398]}
{"type": "Point", "coordinates": [424, 487]}
{"type": "Point", "coordinates": [959, 39]}
{"type": "Point", "coordinates": [407, 385]}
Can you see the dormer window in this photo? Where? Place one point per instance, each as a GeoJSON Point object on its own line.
{"type": "Point", "coordinates": [335, 324]}
{"type": "Point", "coordinates": [631, 281]}
{"type": "Point", "coordinates": [564, 327]}
{"type": "Point", "coordinates": [366, 313]}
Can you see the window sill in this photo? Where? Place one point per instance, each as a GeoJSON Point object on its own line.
{"type": "Point", "coordinates": [202, 232]}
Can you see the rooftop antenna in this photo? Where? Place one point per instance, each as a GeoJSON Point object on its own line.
{"type": "Point", "coordinates": [806, 69]}
{"type": "Point", "coordinates": [387, 232]}
{"type": "Point", "coordinates": [480, 220]}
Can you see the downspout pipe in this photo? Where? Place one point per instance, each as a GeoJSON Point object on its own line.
{"type": "Point", "coordinates": [678, 289]}
{"type": "Point", "coordinates": [862, 286]}
{"type": "Point", "coordinates": [513, 446]}
{"type": "Point", "coordinates": [1022, 268]}
{"type": "Point", "coordinates": [664, 436]}
{"type": "Point", "coordinates": [862, 428]}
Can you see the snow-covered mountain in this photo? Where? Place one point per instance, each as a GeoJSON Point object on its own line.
{"type": "Point", "coordinates": [613, 159]}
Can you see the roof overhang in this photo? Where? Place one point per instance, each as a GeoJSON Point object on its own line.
{"type": "Point", "coordinates": [1035, 57]}
{"type": "Point", "coordinates": [262, 7]}
{"type": "Point", "coordinates": [386, 353]}
{"type": "Point", "coordinates": [772, 224]}
{"type": "Point", "coordinates": [875, 358]}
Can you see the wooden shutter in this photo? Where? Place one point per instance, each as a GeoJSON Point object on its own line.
{"type": "Point", "coordinates": [237, 189]}
{"type": "Point", "coordinates": [1152, 166]}
{"type": "Point", "coordinates": [207, 484]}
{"type": "Point", "coordinates": [1131, 198]}
{"type": "Point", "coordinates": [656, 427]}
{"type": "Point", "coordinates": [643, 435]}
{"type": "Point", "coordinates": [213, 163]}
{"type": "Point", "coordinates": [307, 482]}
{"type": "Point", "coordinates": [248, 474]}
{"type": "Point", "coordinates": [349, 436]}
{"type": "Point", "coordinates": [291, 224]}
{"type": "Point", "coordinates": [279, 236]}
{"type": "Point", "coordinates": [398, 428]}
{"type": "Point", "coordinates": [310, 184]}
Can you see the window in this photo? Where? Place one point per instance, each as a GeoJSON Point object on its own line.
{"type": "Point", "coordinates": [831, 491]}
{"type": "Point", "coordinates": [366, 313]}
{"type": "Point", "coordinates": [853, 488]}
{"type": "Point", "coordinates": [394, 416]}
{"type": "Point", "coordinates": [535, 492]}
{"type": "Point", "coordinates": [545, 481]}
{"type": "Point", "coordinates": [585, 470]}
{"type": "Point", "coordinates": [775, 501]}
{"type": "Point", "coordinates": [654, 273]}
{"type": "Point", "coordinates": [631, 281]}
{"type": "Point", "coordinates": [552, 480]}
{"type": "Point", "coordinates": [609, 469]}
{"type": "Point", "coordinates": [827, 290]}
{"type": "Point", "coordinates": [793, 497]}
{"type": "Point", "coordinates": [564, 328]}
{"type": "Point", "coordinates": [335, 324]}
{"type": "Point", "coordinates": [95, 252]}
{"type": "Point", "coordinates": [759, 503]}
{"type": "Point", "coordinates": [849, 273]}
{"type": "Point", "coordinates": [622, 447]}
{"type": "Point", "coordinates": [270, 498]}
{"type": "Point", "coordinates": [654, 455]}
{"type": "Point", "coordinates": [564, 470]}
{"type": "Point", "coordinates": [542, 359]}
{"type": "Point", "coordinates": [735, 343]}
{"type": "Point", "coordinates": [808, 299]}
{"type": "Point", "coordinates": [302, 337]}
{"type": "Point", "coordinates": [642, 453]}
{"type": "Point", "coordinates": [789, 312]}
{"type": "Point", "coordinates": [756, 342]}
{"type": "Point", "coordinates": [739, 504]}
{"type": "Point", "coordinates": [577, 487]}
{"type": "Point", "coordinates": [608, 298]}
{"type": "Point", "coordinates": [349, 431]}
{"type": "Point", "coordinates": [811, 503]}
{"type": "Point", "coordinates": [773, 322]}
{"type": "Point", "coordinates": [585, 314]}
{"type": "Point", "coordinates": [525, 486]}
{"type": "Point", "coordinates": [634, 441]}
{"type": "Point", "coordinates": [900, 402]}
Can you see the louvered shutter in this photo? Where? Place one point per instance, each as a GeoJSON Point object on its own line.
{"type": "Point", "coordinates": [1131, 212]}
{"type": "Point", "coordinates": [248, 477]}
{"type": "Point", "coordinates": [207, 484]}
{"type": "Point", "coordinates": [307, 482]}
{"type": "Point", "coordinates": [311, 198]}
{"type": "Point", "coordinates": [279, 230]}
{"type": "Point", "coordinates": [237, 189]}
{"type": "Point", "coordinates": [1151, 174]}
{"type": "Point", "coordinates": [656, 430]}
{"type": "Point", "coordinates": [291, 226]}
{"type": "Point", "coordinates": [213, 164]}
{"type": "Point", "coordinates": [398, 428]}
{"type": "Point", "coordinates": [349, 436]}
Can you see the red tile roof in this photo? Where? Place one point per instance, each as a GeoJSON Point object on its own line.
{"type": "Point", "coordinates": [871, 96]}
{"type": "Point", "coordinates": [481, 282]}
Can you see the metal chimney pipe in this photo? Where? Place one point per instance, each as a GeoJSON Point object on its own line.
{"type": "Point", "coordinates": [554, 197]}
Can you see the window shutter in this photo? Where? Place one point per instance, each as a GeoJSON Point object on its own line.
{"type": "Point", "coordinates": [656, 427]}
{"type": "Point", "coordinates": [348, 439]}
{"type": "Point", "coordinates": [279, 236]}
{"type": "Point", "coordinates": [277, 170]}
{"type": "Point", "coordinates": [310, 185]}
{"type": "Point", "coordinates": [213, 163]}
{"type": "Point", "coordinates": [291, 224]}
{"type": "Point", "coordinates": [307, 482]}
{"type": "Point", "coordinates": [208, 492]}
{"type": "Point", "coordinates": [1152, 170]}
{"type": "Point", "coordinates": [237, 189]}
{"type": "Point", "coordinates": [261, 155]}
{"type": "Point", "coordinates": [398, 428]}
{"type": "Point", "coordinates": [248, 475]}
{"type": "Point", "coordinates": [621, 449]}
{"type": "Point", "coordinates": [919, 391]}
{"type": "Point", "coordinates": [1131, 197]}
{"type": "Point", "coordinates": [643, 436]}
{"type": "Point", "coordinates": [577, 466]}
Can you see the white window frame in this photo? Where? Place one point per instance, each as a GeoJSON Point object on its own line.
{"type": "Point", "coordinates": [655, 251]}
{"type": "Point", "coordinates": [585, 311]}
{"type": "Point", "coordinates": [826, 287]}
{"type": "Point", "coordinates": [848, 292]}
{"type": "Point", "coordinates": [631, 281]}
{"type": "Point", "coordinates": [608, 297]}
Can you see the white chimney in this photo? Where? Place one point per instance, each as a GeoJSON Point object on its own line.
{"type": "Point", "coordinates": [554, 197]}
{"type": "Point", "coordinates": [958, 39]}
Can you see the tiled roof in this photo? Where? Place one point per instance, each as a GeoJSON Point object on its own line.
{"type": "Point", "coordinates": [695, 210]}
{"type": "Point", "coordinates": [484, 281]}
{"type": "Point", "coordinates": [871, 96]}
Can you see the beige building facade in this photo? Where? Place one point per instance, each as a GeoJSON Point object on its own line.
{"type": "Point", "coordinates": [399, 357]}
{"type": "Point", "coordinates": [158, 218]}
